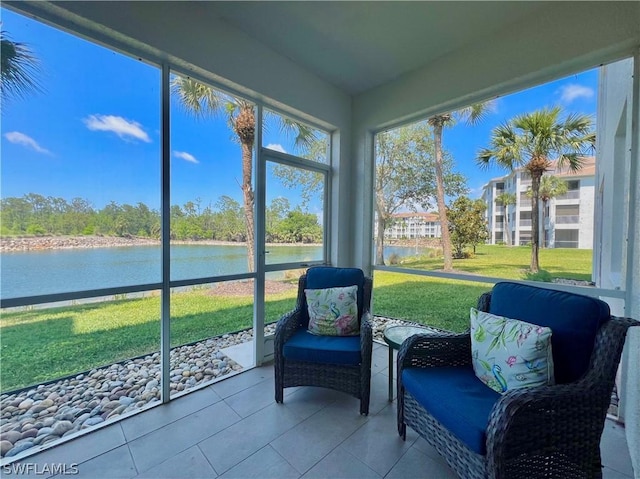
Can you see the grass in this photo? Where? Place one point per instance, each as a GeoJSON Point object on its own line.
{"type": "Point", "coordinates": [513, 263]}
{"type": "Point", "coordinates": [43, 344]}
{"type": "Point", "coordinates": [445, 303]}
{"type": "Point", "coordinates": [38, 345]}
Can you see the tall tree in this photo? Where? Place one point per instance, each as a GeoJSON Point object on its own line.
{"type": "Point", "coordinates": [506, 200]}
{"type": "Point", "coordinates": [203, 101]}
{"type": "Point", "coordinates": [467, 224]}
{"type": "Point", "coordinates": [530, 141]}
{"type": "Point", "coordinates": [471, 115]}
{"type": "Point", "coordinates": [405, 175]}
{"type": "Point", "coordinates": [19, 68]}
{"type": "Point", "coordinates": [550, 187]}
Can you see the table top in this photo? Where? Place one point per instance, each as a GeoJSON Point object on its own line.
{"type": "Point", "coordinates": [394, 336]}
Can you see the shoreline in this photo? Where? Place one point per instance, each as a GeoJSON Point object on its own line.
{"type": "Point", "coordinates": [43, 243]}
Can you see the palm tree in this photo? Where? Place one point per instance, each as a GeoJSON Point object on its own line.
{"type": "Point", "coordinates": [550, 187]}
{"type": "Point", "coordinates": [506, 199]}
{"type": "Point", "coordinates": [203, 101]}
{"type": "Point", "coordinates": [19, 68]}
{"type": "Point", "coordinates": [471, 115]}
{"type": "Point", "coordinates": [529, 141]}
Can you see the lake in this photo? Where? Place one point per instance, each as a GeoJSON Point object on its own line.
{"type": "Point", "coordinates": [32, 273]}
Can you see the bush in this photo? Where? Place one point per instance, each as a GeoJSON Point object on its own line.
{"type": "Point", "coordinates": [541, 275]}
{"type": "Point", "coordinates": [35, 229]}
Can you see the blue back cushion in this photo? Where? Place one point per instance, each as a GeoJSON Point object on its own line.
{"type": "Point", "coordinates": [304, 346]}
{"type": "Point", "coordinates": [574, 320]}
{"type": "Point", "coordinates": [321, 277]}
{"type": "Point", "coordinates": [456, 398]}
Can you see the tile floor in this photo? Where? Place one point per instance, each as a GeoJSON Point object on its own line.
{"type": "Point", "coordinates": [234, 429]}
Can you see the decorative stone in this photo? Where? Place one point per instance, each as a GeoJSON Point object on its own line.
{"type": "Point", "coordinates": [87, 399]}
{"type": "Point", "coordinates": [61, 427]}
{"type": "Point", "coordinates": [44, 431]}
{"type": "Point", "coordinates": [19, 448]}
{"type": "Point", "coordinates": [126, 401]}
{"type": "Point", "coordinates": [92, 421]}
{"type": "Point", "coordinates": [26, 404]}
{"type": "Point", "coordinates": [29, 433]}
{"type": "Point", "coordinates": [5, 447]}
{"type": "Point", "coordinates": [11, 436]}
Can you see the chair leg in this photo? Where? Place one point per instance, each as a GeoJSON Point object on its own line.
{"type": "Point", "coordinates": [364, 407]}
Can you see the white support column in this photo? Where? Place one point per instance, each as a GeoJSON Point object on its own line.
{"type": "Point", "coordinates": [259, 244]}
{"type": "Point", "coordinates": [631, 360]}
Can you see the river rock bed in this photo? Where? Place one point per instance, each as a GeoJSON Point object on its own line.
{"type": "Point", "coordinates": [37, 243]}
{"type": "Point", "coordinates": [48, 412]}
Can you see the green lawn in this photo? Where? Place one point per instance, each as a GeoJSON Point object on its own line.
{"type": "Point", "coordinates": [513, 263]}
{"type": "Point", "coordinates": [445, 303]}
{"type": "Point", "coordinates": [42, 344]}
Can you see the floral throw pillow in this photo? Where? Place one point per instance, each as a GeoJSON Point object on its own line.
{"type": "Point", "coordinates": [510, 354]}
{"type": "Point", "coordinates": [333, 311]}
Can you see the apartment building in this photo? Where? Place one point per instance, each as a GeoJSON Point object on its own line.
{"type": "Point", "coordinates": [566, 221]}
{"type": "Point", "coordinates": [413, 225]}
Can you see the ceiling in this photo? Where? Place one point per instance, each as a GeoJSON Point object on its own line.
{"type": "Point", "coordinates": [360, 45]}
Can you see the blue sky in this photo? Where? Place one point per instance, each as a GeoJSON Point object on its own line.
{"type": "Point", "coordinates": [94, 132]}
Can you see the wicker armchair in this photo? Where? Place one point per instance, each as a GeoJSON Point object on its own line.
{"type": "Point", "coordinates": [548, 431]}
{"type": "Point", "coordinates": [303, 359]}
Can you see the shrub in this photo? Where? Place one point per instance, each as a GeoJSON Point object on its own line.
{"type": "Point", "coordinates": [394, 258]}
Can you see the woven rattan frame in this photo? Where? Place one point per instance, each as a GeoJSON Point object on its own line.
{"type": "Point", "coordinates": [543, 432]}
{"type": "Point", "coordinates": [354, 380]}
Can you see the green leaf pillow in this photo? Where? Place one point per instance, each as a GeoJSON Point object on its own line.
{"type": "Point", "coordinates": [333, 311]}
{"type": "Point", "coordinates": [509, 353]}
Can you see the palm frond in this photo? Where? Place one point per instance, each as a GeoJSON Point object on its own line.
{"type": "Point", "coordinates": [19, 68]}
{"type": "Point", "coordinates": [303, 135]}
{"type": "Point", "coordinates": [476, 113]}
{"type": "Point", "coordinates": [199, 99]}
{"type": "Point", "coordinates": [505, 148]}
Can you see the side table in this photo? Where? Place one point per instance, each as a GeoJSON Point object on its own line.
{"type": "Point", "coordinates": [394, 336]}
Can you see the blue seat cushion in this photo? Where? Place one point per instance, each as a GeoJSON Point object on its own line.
{"type": "Point", "coordinates": [456, 398]}
{"type": "Point", "coordinates": [574, 320]}
{"type": "Point", "coordinates": [322, 277]}
{"type": "Point", "coordinates": [304, 346]}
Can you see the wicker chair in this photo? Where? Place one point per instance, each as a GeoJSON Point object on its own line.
{"type": "Point", "coordinates": [548, 431]}
{"type": "Point", "coordinates": [303, 359]}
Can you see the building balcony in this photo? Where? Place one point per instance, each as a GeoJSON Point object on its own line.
{"type": "Point", "coordinates": [234, 428]}
{"type": "Point", "coordinates": [567, 219]}
{"type": "Point", "coordinates": [569, 195]}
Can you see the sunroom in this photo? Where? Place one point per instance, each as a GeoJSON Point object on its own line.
{"type": "Point", "coordinates": [345, 71]}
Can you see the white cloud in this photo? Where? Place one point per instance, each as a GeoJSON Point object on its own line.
{"type": "Point", "coordinates": [185, 156]}
{"type": "Point", "coordinates": [122, 127]}
{"type": "Point", "coordinates": [24, 140]}
{"type": "Point", "coordinates": [276, 147]}
{"type": "Point", "coordinates": [573, 91]}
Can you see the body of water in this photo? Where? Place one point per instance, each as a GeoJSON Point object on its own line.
{"type": "Point", "coordinates": [33, 273]}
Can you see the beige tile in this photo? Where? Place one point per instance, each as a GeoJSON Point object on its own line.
{"type": "Point", "coordinates": [242, 439]}
{"type": "Point", "coordinates": [308, 442]}
{"type": "Point", "coordinates": [341, 463]}
{"type": "Point", "coordinates": [163, 443]}
{"type": "Point", "coordinates": [188, 464]}
{"type": "Point", "coordinates": [163, 414]}
{"type": "Point", "coordinates": [264, 464]}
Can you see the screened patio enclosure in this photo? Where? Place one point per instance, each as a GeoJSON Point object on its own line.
{"type": "Point", "coordinates": [352, 69]}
